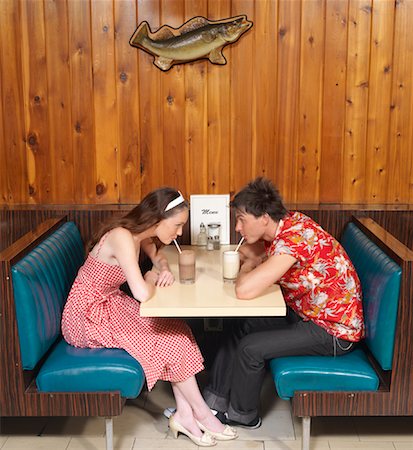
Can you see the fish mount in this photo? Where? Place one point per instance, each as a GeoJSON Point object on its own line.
{"type": "Point", "coordinates": [198, 38]}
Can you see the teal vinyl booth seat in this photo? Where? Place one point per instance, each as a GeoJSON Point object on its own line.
{"type": "Point", "coordinates": [41, 281]}
{"type": "Point", "coordinates": [356, 371]}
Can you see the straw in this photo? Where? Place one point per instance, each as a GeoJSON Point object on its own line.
{"type": "Point", "coordinates": [177, 246]}
{"type": "Point", "coordinates": [239, 243]}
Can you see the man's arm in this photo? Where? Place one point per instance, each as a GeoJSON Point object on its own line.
{"type": "Point", "coordinates": [254, 279]}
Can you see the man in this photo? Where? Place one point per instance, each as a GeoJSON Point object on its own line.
{"type": "Point", "coordinates": [320, 286]}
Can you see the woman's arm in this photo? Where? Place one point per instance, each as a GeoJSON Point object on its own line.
{"type": "Point", "coordinates": [254, 279]}
{"type": "Point", "coordinates": [123, 249]}
{"type": "Point", "coordinates": [160, 263]}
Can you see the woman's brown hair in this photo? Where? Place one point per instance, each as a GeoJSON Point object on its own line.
{"type": "Point", "coordinates": [149, 212]}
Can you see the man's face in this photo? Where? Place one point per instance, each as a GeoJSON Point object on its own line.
{"type": "Point", "coordinates": [250, 227]}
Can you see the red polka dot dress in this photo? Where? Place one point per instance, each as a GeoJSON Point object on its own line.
{"type": "Point", "coordinates": [98, 314]}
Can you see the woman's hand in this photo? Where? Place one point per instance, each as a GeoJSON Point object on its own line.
{"type": "Point", "coordinates": [165, 278]}
{"type": "Point", "coordinates": [151, 277]}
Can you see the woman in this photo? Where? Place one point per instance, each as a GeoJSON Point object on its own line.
{"type": "Point", "coordinates": [99, 314]}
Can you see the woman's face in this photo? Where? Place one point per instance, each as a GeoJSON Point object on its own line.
{"type": "Point", "coordinates": [170, 228]}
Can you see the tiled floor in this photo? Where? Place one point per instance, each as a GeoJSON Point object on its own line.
{"type": "Point", "coordinates": [142, 426]}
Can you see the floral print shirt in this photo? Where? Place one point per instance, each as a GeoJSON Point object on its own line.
{"type": "Point", "coordinates": [322, 285]}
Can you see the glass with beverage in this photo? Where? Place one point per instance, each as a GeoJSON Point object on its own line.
{"type": "Point", "coordinates": [186, 261]}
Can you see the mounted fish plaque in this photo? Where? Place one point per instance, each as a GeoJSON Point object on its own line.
{"type": "Point", "coordinates": [196, 39]}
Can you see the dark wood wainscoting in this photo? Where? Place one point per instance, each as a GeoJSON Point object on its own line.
{"type": "Point", "coordinates": [14, 222]}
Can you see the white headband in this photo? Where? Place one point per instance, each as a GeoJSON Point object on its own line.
{"type": "Point", "coordinates": [175, 202]}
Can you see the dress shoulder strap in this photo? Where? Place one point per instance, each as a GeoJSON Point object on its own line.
{"type": "Point", "coordinates": [101, 242]}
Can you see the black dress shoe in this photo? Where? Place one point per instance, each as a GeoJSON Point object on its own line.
{"type": "Point", "coordinates": [255, 423]}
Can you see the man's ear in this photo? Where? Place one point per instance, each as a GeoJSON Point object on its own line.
{"type": "Point", "coordinates": [266, 218]}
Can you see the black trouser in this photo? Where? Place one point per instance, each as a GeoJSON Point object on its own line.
{"type": "Point", "coordinates": [239, 367]}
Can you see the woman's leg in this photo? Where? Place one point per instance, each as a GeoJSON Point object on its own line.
{"type": "Point", "coordinates": [191, 406]}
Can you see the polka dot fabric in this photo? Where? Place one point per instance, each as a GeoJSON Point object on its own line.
{"type": "Point", "coordinates": [98, 314]}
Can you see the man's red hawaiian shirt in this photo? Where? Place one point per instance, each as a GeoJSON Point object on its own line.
{"type": "Point", "coordinates": [322, 285]}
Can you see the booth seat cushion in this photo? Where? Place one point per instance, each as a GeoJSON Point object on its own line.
{"type": "Point", "coordinates": [351, 372]}
{"type": "Point", "coordinates": [71, 369]}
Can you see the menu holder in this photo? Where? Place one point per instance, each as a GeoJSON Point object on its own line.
{"type": "Point", "coordinates": [210, 209]}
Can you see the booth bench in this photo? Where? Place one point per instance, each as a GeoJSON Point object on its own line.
{"type": "Point", "coordinates": [377, 378]}
{"type": "Point", "coordinates": [42, 375]}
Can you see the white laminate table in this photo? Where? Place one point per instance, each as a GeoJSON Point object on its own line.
{"type": "Point", "coordinates": [209, 296]}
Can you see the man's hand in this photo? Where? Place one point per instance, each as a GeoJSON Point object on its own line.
{"type": "Point", "coordinates": [151, 277]}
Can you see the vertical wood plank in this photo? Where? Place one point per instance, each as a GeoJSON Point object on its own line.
{"type": "Point", "coordinates": [128, 102]}
{"type": "Point", "coordinates": [36, 100]}
{"type": "Point", "coordinates": [401, 142]}
{"type": "Point", "coordinates": [333, 112]}
{"type": "Point", "coordinates": [242, 98]}
{"type": "Point", "coordinates": [82, 122]}
{"type": "Point", "coordinates": [104, 87]}
{"type": "Point", "coordinates": [219, 112]}
{"type": "Point", "coordinates": [3, 169]}
{"type": "Point", "coordinates": [150, 106]}
{"type": "Point", "coordinates": [312, 45]}
{"type": "Point", "coordinates": [59, 100]}
{"type": "Point", "coordinates": [357, 93]}
{"type": "Point", "coordinates": [196, 137]}
{"type": "Point", "coordinates": [265, 80]}
{"type": "Point", "coordinates": [377, 149]}
{"type": "Point", "coordinates": [12, 103]}
{"type": "Point", "coordinates": [288, 89]}
{"type": "Point", "coordinates": [176, 166]}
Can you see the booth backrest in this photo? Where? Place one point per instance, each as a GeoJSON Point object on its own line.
{"type": "Point", "coordinates": [41, 283]}
{"type": "Point", "coordinates": [380, 279]}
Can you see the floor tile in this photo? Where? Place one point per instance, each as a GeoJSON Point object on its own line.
{"type": "Point", "coordinates": [36, 443]}
{"type": "Point", "coordinates": [361, 445]}
{"type": "Point", "coordinates": [403, 445]}
{"type": "Point", "coordinates": [99, 443]}
{"type": "Point", "coordinates": [385, 428]}
{"type": "Point", "coordinates": [328, 428]}
{"type": "Point", "coordinates": [75, 426]}
{"type": "Point", "coordinates": [141, 423]}
{"type": "Point", "coordinates": [294, 445]}
{"type": "Point", "coordinates": [276, 425]}
{"type": "Point", "coordinates": [3, 439]}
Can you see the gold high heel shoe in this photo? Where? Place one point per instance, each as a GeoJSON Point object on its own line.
{"type": "Point", "coordinates": [206, 440]}
{"type": "Point", "coordinates": [228, 433]}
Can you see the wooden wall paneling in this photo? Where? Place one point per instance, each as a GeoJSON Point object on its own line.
{"type": "Point", "coordinates": [377, 149]}
{"type": "Point", "coordinates": [59, 100]}
{"type": "Point", "coordinates": [333, 110]}
{"type": "Point", "coordinates": [105, 106]}
{"type": "Point", "coordinates": [12, 102]}
{"type": "Point", "coordinates": [401, 144]}
{"type": "Point", "coordinates": [196, 137]}
{"type": "Point", "coordinates": [242, 78]}
{"type": "Point", "coordinates": [176, 167]}
{"type": "Point", "coordinates": [3, 154]}
{"type": "Point", "coordinates": [288, 94]}
{"type": "Point", "coordinates": [357, 94]}
{"type": "Point", "coordinates": [127, 84]}
{"type": "Point", "coordinates": [36, 101]}
{"type": "Point", "coordinates": [150, 106]}
{"type": "Point", "coordinates": [82, 106]}
{"type": "Point", "coordinates": [265, 87]}
{"type": "Point", "coordinates": [219, 111]}
{"type": "Point", "coordinates": [312, 45]}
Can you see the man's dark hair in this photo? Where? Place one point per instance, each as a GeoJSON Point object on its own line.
{"type": "Point", "coordinates": [260, 197]}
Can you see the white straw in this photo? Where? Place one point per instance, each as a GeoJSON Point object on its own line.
{"type": "Point", "coordinates": [239, 243]}
{"type": "Point", "coordinates": [177, 246]}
